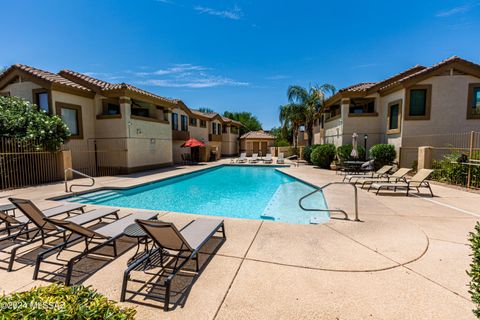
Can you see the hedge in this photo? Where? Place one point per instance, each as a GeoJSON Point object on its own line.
{"type": "Point", "coordinates": [61, 302]}
{"type": "Point", "coordinates": [307, 152]}
{"type": "Point", "coordinates": [344, 152]}
{"type": "Point", "coordinates": [384, 154]}
{"type": "Point", "coordinates": [323, 155]}
{"type": "Point", "coordinates": [474, 272]}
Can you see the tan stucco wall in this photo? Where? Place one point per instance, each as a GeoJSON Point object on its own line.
{"type": "Point", "coordinates": [449, 108]}
{"type": "Point", "coordinates": [22, 89]}
{"type": "Point", "coordinates": [229, 143]}
{"type": "Point", "coordinates": [246, 145]}
{"type": "Point", "coordinates": [334, 131]}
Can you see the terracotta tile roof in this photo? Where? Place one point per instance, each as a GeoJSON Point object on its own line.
{"type": "Point", "coordinates": [257, 135]}
{"type": "Point", "coordinates": [395, 78]}
{"type": "Point", "coordinates": [453, 59]}
{"type": "Point", "coordinates": [362, 86]}
{"type": "Point", "coordinates": [100, 85]}
{"type": "Point", "coordinates": [46, 76]}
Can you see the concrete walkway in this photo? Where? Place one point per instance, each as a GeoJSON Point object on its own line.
{"type": "Point", "coordinates": [406, 259]}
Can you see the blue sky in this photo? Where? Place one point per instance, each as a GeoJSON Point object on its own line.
{"type": "Point", "coordinates": [237, 55]}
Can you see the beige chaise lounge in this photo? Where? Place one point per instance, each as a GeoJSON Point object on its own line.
{"type": "Point", "coordinates": [242, 159]}
{"type": "Point", "coordinates": [281, 159]}
{"type": "Point", "coordinates": [103, 236]}
{"type": "Point", "coordinates": [181, 245]}
{"type": "Point", "coordinates": [377, 174]}
{"type": "Point", "coordinates": [417, 181]}
{"type": "Point", "coordinates": [397, 176]}
{"type": "Point", "coordinates": [43, 229]}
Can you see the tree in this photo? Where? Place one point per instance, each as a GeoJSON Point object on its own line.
{"type": "Point", "coordinates": [304, 108]}
{"type": "Point", "coordinates": [24, 121]}
{"type": "Point", "coordinates": [282, 137]}
{"type": "Point", "coordinates": [206, 110]}
{"type": "Point", "coordinates": [248, 120]}
{"type": "Point", "coordinates": [292, 116]}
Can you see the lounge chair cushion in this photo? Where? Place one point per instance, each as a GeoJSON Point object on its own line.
{"type": "Point", "coordinates": [116, 228]}
{"type": "Point", "coordinates": [396, 185]}
{"type": "Point", "coordinates": [92, 215]}
{"type": "Point", "coordinates": [200, 230]}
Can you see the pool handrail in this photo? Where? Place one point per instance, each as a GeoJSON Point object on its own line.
{"type": "Point", "coordinates": [76, 185]}
{"type": "Point", "coordinates": [320, 189]}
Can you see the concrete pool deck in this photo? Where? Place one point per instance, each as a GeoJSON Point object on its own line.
{"type": "Point", "coordinates": [406, 259]}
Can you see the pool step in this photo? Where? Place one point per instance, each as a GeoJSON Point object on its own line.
{"type": "Point", "coordinates": [99, 196]}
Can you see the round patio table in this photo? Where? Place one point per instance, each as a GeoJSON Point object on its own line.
{"type": "Point", "coordinates": [135, 231]}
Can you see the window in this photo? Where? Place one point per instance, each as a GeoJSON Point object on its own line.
{"type": "Point", "coordinates": [174, 121]}
{"type": "Point", "coordinates": [72, 116]}
{"type": "Point", "coordinates": [234, 130]}
{"type": "Point", "coordinates": [214, 128]}
{"type": "Point", "coordinates": [219, 128]}
{"type": "Point", "coordinates": [418, 103]}
{"type": "Point", "coordinates": [335, 111]}
{"type": "Point", "coordinates": [224, 129]}
{"type": "Point", "coordinates": [193, 122]}
{"type": "Point", "coordinates": [184, 122]}
{"type": "Point", "coordinates": [203, 123]}
{"type": "Point", "coordinates": [42, 99]}
{"type": "Point", "coordinates": [393, 118]}
{"type": "Point", "coordinates": [473, 111]}
{"type": "Point", "coordinates": [362, 106]}
{"type": "Point", "coordinates": [140, 112]}
{"type": "Point", "coordinates": [110, 108]}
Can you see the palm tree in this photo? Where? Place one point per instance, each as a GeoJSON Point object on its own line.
{"type": "Point", "coordinates": [305, 106]}
{"type": "Point", "coordinates": [292, 116]}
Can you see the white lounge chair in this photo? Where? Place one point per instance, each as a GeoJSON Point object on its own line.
{"type": "Point", "coordinates": [281, 159]}
{"type": "Point", "coordinates": [254, 158]}
{"type": "Point", "coordinates": [242, 159]}
{"type": "Point", "coordinates": [417, 181]}
{"type": "Point", "coordinates": [268, 158]}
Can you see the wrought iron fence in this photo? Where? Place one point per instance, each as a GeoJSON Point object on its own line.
{"type": "Point", "coordinates": [99, 157]}
{"type": "Point", "coordinates": [26, 163]}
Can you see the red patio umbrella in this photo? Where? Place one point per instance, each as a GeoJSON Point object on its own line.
{"type": "Point", "coordinates": [192, 142]}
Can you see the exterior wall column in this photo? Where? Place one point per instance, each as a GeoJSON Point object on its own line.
{"type": "Point", "coordinates": [425, 156]}
{"type": "Point", "coordinates": [65, 161]}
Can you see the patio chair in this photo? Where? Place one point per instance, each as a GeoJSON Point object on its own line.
{"type": "Point", "coordinates": [12, 222]}
{"type": "Point", "coordinates": [43, 229]}
{"type": "Point", "coordinates": [185, 245]}
{"type": "Point", "coordinates": [417, 181]}
{"type": "Point", "coordinates": [268, 158]}
{"type": "Point", "coordinates": [103, 236]}
{"type": "Point", "coordinates": [397, 176]}
{"type": "Point", "coordinates": [243, 158]}
{"type": "Point", "coordinates": [281, 159]}
{"type": "Point", "coordinates": [377, 174]}
{"type": "Point", "coordinates": [254, 158]}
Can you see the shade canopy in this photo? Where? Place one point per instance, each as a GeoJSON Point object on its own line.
{"type": "Point", "coordinates": [192, 142]}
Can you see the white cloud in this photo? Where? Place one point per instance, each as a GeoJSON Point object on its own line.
{"type": "Point", "coordinates": [175, 69]}
{"type": "Point", "coordinates": [186, 76]}
{"type": "Point", "coordinates": [277, 77]}
{"type": "Point", "coordinates": [233, 14]}
{"type": "Point", "coordinates": [454, 11]}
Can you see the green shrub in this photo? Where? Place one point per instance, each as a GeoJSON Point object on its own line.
{"type": "Point", "coordinates": [22, 120]}
{"type": "Point", "coordinates": [448, 170]}
{"type": "Point", "coordinates": [344, 151]}
{"type": "Point", "coordinates": [61, 302]}
{"type": "Point", "coordinates": [307, 152]}
{"type": "Point", "coordinates": [323, 155]}
{"type": "Point", "coordinates": [474, 272]}
{"type": "Point", "coordinates": [384, 154]}
{"type": "Point", "coordinates": [281, 143]}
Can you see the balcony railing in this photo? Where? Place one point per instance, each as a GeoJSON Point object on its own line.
{"type": "Point", "coordinates": [215, 137]}
{"type": "Point", "coordinates": [180, 135]}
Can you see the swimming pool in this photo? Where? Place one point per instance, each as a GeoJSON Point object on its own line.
{"type": "Point", "coordinates": [250, 192]}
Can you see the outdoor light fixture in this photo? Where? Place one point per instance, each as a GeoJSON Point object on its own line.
{"type": "Point", "coordinates": [365, 138]}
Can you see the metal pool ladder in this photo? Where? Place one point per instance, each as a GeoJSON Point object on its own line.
{"type": "Point", "coordinates": [332, 210]}
{"type": "Point", "coordinates": [67, 189]}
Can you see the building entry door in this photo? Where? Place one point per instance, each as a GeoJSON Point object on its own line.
{"type": "Point", "coordinates": [256, 146]}
{"type": "Point", "coordinates": [263, 145]}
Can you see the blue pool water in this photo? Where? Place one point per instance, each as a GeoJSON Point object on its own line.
{"type": "Point", "coordinates": [251, 192]}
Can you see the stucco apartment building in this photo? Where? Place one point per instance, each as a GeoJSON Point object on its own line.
{"type": "Point", "coordinates": [443, 98]}
{"type": "Point", "coordinates": [116, 125]}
